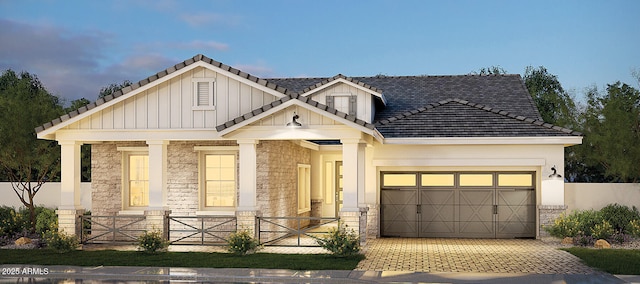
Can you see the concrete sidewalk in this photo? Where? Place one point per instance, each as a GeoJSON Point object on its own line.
{"type": "Point", "coordinates": [242, 275]}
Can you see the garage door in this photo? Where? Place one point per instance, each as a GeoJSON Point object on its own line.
{"type": "Point", "coordinates": [458, 205]}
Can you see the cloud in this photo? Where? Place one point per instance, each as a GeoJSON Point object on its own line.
{"type": "Point", "coordinates": [72, 65]}
{"type": "Point", "coordinates": [64, 61]}
{"type": "Point", "coordinates": [260, 69]}
{"type": "Point", "coordinates": [208, 19]}
{"type": "Point", "coordinates": [203, 45]}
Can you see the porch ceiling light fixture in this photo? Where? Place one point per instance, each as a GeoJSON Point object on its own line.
{"type": "Point", "coordinates": [294, 121]}
{"type": "Point", "coordinates": [555, 175]}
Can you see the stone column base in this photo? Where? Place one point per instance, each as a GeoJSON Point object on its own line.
{"type": "Point", "coordinates": [246, 220]}
{"type": "Point", "coordinates": [69, 221]}
{"type": "Point", "coordinates": [548, 214]}
{"type": "Point", "coordinates": [373, 225]}
{"type": "Point", "coordinates": [356, 221]}
{"type": "Point", "coordinates": [156, 220]}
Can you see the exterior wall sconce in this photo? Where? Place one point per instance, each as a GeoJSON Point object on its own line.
{"type": "Point", "coordinates": [294, 121]}
{"type": "Point", "coordinates": [555, 175]}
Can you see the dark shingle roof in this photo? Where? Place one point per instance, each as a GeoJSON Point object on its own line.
{"type": "Point", "coordinates": [442, 116]}
{"type": "Point", "coordinates": [405, 93]}
{"type": "Point", "coordinates": [460, 118]}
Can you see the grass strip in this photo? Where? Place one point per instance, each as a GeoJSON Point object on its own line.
{"type": "Point", "coordinates": [180, 259]}
{"type": "Point", "coordinates": [614, 261]}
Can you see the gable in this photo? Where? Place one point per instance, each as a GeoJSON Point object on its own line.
{"type": "Point", "coordinates": [172, 105]}
{"type": "Point", "coordinates": [166, 101]}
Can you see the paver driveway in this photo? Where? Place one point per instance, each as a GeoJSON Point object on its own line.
{"type": "Point", "coordinates": [469, 255]}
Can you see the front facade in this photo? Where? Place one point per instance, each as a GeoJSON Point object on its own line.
{"type": "Point", "coordinates": [414, 156]}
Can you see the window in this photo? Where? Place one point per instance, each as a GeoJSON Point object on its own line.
{"type": "Point", "coordinates": [137, 179]}
{"type": "Point", "coordinates": [219, 180]}
{"type": "Point", "coordinates": [203, 90]}
{"type": "Point", "coordinates": [437, 180]}
{"type": "Point", "coordinates": [515, 180]}
{"type": "Point", "coordinates": [343, 103]}
{"type": "Point", "coordinates": [476, 179]}
{"type": "Point", "coordinates": [389, 179]}
{"type": "Point", "coordinates": [304, 188]}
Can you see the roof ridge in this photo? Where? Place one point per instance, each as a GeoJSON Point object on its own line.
{"type": "Point", "coordinates": [480, 107]}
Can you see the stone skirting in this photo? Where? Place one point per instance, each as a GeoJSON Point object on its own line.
{"type": "Point", "coordinates": [69, 221]}
{"type": "Point", "coordinates": [548, 213]}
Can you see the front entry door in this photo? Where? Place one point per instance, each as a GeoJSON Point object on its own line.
{"type": "Point", "coordinates": [339, 194]}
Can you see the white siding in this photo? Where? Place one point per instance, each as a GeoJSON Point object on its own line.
{"type": "Point", "coordinates": [307, 117]}
{"type": "Point", "coordinates": [168, 105]}
{"type": "Point", "coordinates": [365, 102]}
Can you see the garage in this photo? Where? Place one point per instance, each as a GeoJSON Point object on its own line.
{"type": "Point", "coordinates": [458, 204]}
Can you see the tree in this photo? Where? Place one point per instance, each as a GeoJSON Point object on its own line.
{"type": "Point", "coordinates": [27, 162]}
{"type": "Point", "coordinates": [612, 131]}
{"type": "Point", "coordinates": [85, 150]}
{"type": "Point", "coordinates": [555, 105]}
{"type": "Point", "coordinates": [493, 70]}
{"type": "Point", "coordinates": [113, 87]}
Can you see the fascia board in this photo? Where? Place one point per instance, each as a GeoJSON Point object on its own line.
{"type": "Point", "coordinates": [563, 140]}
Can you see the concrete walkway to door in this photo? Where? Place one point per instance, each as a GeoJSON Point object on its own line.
{"type": "Point", "coordinates": [469, 255]}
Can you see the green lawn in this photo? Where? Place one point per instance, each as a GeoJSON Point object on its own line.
{"type": "Point", "coordinates": [614, 261]}
{"type": "Point", "coordinates": [179, 259]}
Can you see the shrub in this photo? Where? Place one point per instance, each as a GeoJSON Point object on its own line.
{"type": "Point", "coordinates": [584, 240]}
{"type": "Point", "coordinates": [242, 242]}
{"type": "Point", "coordinates": [152, 242]}
{"type": "Point", "coordinates": [619, 216]}
{"type": "Point", "coordinates": [619, 238]}
{"type": "Point", "coordinates": [46, 220]}
{"type": "Point", "coordinates": [61, 242]}
{"type": "Point", "coordinates": [574, 224]}
{"type": "Point", "coordinates": [340, 241]}
{"type": "Point", "coordinates": [634, 228]}
{"type": "Point", "coordinates": [8, 224]}
{"type": "Point", "coordinates": [603, 230]}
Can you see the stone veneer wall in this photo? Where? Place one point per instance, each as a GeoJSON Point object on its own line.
{"type": "Point", "coordinates": [277, 178]}
{"type": "Point", "coordinates": [548, 213]}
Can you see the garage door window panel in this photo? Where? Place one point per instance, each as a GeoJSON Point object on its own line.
{"type": "Point", "coordinates": [476, 180]}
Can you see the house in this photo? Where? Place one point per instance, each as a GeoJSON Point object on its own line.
{"type": "Point", "coordinates": [413, 156]}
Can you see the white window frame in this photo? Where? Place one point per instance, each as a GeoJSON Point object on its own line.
{"type": "Point", "coordinates": [212, 97]}
{"type": "Point", "coordinates": [215, 150]}
{"type": "Point", "coordinates": [126, 153]}
{"type": "Point", "coordinates": [304, 188]}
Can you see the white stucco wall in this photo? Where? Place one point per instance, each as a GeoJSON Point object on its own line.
{"type": "Point", "coordinates": [48, 196]}
{"type": "Point", "coordinates": [584, 196]}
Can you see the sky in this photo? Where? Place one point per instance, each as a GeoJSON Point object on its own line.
{"type": "Point", "coordinates": [76, 47]}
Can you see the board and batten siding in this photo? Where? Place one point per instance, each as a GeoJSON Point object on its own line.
{"type": "Point", "coordinates": [307, 117]}
{"type": "Point", "coordinates": [364, 109]}
{"type": "Point", "coordinates": [169, 105]}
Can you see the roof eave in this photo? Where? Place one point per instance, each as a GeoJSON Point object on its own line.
{"type": "Point", "coordinates": [523, 140]}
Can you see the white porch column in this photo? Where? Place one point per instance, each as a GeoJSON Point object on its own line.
{"type": "Point", "coordinates": [70, 175]}
{"type": "Point", "coordinates": [157, 174]}
{"type": "Point", "coordinates": [70, 206]}
{"type": "Point", "coordinates": [246, 211]}
{"type": "Point", "coordinates": [247, 176]}
{"type": "Point", "coordinates": [353, 164]}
